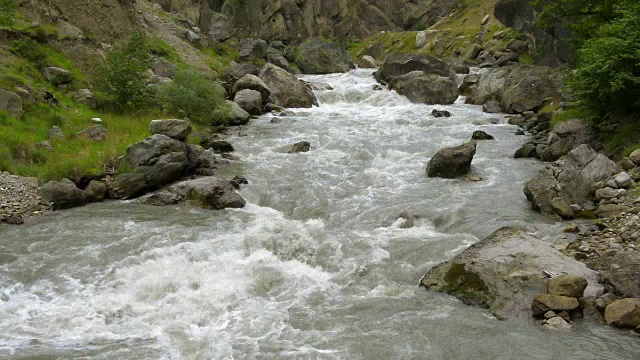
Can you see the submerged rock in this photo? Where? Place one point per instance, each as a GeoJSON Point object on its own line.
{"type": "Point", "coordinates": [303, 146]}
{"type": "Point", "coordinates": [452, 162]}
{"type": "Point", "coordinates": [504, 273]}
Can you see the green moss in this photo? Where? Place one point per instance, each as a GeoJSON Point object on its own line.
{"type": "Point", "coordinates": [467, 286]}
{"type": "Point", "coordinates": [586, 214]}
{"type": "Point", "coordinates": [630, 149]}
{"type": "Point", "coordinates": [159, 47]}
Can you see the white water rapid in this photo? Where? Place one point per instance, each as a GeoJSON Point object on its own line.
{"type": "Point", "coordinates": [317, 266]}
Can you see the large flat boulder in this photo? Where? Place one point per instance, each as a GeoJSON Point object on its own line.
{"type": "Point", "coordinates": [321, 56]}
{"type": "Point", "coordinates": [207, 192]}
{"type": "Point", "coordinates": [395, 65]}
{"type": "Point", "coordinates": [570, 179]}
{"type": "Point", "coordinates": [421, 87]}
{"type": "Point", "coordinates": [505, 272]}
{"type": "Point", "coordinates": [286, 89]}
{"type": "Point", "coordinates": [173, 128]}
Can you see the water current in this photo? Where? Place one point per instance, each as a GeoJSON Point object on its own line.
{"type": "Point", "coordinates": [318, 265]}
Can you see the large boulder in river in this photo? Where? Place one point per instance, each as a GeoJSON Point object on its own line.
{"type": "Point", "coordinates": [400, 64]}
{"type": "Point", "coordinates": [452, 162]}
{"type": "Point", "coordinates": [239, 116]}
{"type": "Point", "coordinates": [320, 56]}
{"type": "Point", "coordinates": [286, 89]}
{"type": "Point", "coordinates": [252, 82]}
{"type": "Point", "coordinates": [250, 101]}
{"type": "Point", "coordinates": [173, 128]}
{"type": "Point", "coordinates": [518, 88]}
{"type": "Point", "coordinates": [206, 192]}
{"type": "Point", "coordinates": [569, 179]}
{"type": "Point", "coordinates": [623, 313]}
{"type": "Point", "coordinates": [504, 272]}
{"type": "Point", "coordinates": [423, 88]}
{"type": "Point", "coordinates": [63, 194]}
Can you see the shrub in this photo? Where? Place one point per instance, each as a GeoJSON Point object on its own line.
{"type": "Point", "coordinates": [7, 12]}
{"type": "Point", "coordinates": [198, 98]}
{"type": "Point", "coordinates": [122, 77]}
{"type": "Point", "coordinates": [30, 51]}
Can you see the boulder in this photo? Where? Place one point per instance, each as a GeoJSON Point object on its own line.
{"type": "Point", "coordinates": [623, 313]}
{"type": "Point", "coordinates": [58, 76]}
{"type": "Point", "coordinates": [206, 192]}
{"type": "Point", "coordinates": [491, 107]}
{"type": "Point", "coordinates": [96, 191]}
{"type": "Point", "coordinates": [164, 68]}
{"type": "Point", "coordinates": [94, 133]}
{"type": "Point", "coordinates": [542, 303]}
{"type": "Point", "coordinates": [221, 146]}
{"type": "Point", "coordinates": [173, 128]}
{"type": "Point", "coordinates": [440, 113]}
{"type": "Point", "coordinates": [518, 88]}
{"type": "Point", "coordinates": [468, 82]}
{"type": "Point", "coordinates": [557, 323]}
{"type": "Point", "coordinates": [424, 88]}
{"type": "Point", "coordinates": [250, 101]}
{"type": "Point", "coordinates": [452, 162]}
{"type": "Point", "coordinates": [252, 82]}
{"type": "Point", "coordinates": [368, 62]}
{"type": "Point", "coordinates": [276, 57]}
{"type": "Point", "coordinates": [238, 115]}
{"type": "Point", "coordinates": [562, 209]}
{"type": "Point", "coordinates": [201, 160]}
{"type": "Point", "coordinates": [319, 86]}
{"type": "Point", "coordinates": [11, 103]}
{"type": "Point", "coordinates": [55, 133]}
{"type": "Point", "coordinates": [567, 285]}
{"type": "Point", "coordinates": [63, 194]}
{"type": "Point", "coordinates": [481, 135]}
{"type": "Point", "coordinates": [635, 157]}
{"type": "Point", "coordinates": [569, 178]}
{"type": "Point", "coordinates": [474, 51]}
{"type": "Point", "coordinates": [612, 210]}
{"type": "Point", "coordinates": [85, 97]}
{"type": "Point", "coordinates": [526, 151]}
{"type": "Point", "coordinates": [623, 180]}
{"type": "Point", "coordinates": [251, 49]}
{"type": "Point", "coordinates": [321, 56]}
{"type": "Point", "coordinates": [286, 89]}
{"type": "Point", "coordinates": [504, 272]}
{"type": "Point", "coordinates": [395, 65]}
{"type": "Point", "coordinates": [302, 146]}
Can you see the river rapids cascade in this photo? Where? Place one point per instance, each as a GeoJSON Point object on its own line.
{"type": "Point", "coordinates": [318, 265]}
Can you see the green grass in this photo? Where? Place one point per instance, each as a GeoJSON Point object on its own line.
{"type": "Point", "coordinates": [570, 114]}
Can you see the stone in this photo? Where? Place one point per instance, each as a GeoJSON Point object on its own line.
{"type": "Point", "coordinates": [623, 180]}
{"type": "Point", "coordinates": [440, 113]}
{"type": "Point", "coordinates": [319, 86]}
{"type": "Point", "coordinates": [503, 273]}
{"type": "Point", "coordinates": [286, 89]}
{"type": "Point", "coordinates": [396, 64]}
{"type": "Point", "coordinates": [561, 208]}
{"type": "Point", "coordinates": [221, 146]}
{"type": "Point", "coordinates": [164, 68]}
{"type": "Point", "coordinates": [491, 107]}
{"type": "Point", "coordinates": [251, 49]}
{"type": "Point", "coordinates": [526, 151]}
{"type": "Point", "coordinates": [45, 145]}
{"type": "Point", "coordinates": [192, 36]}
{"type": "Point", "coordinates": [549, 315]}
{"type": "Point", "coordinates": [623, 313]}
{"type": "Point", "coordinates": [277, 58]}
{"type": "Point", "coordinates": [557, 323]}
{"type": "Point", "coordinates": [321, 56]}
{"type": "Point", "coordinates": [94, 133]}
{"type": "Point", "coordinates": [209, 193]}
{"type": "Point", "coordinates": [237, 181]}
{"type": "Point", "coordinates": [55, 133]}
{"type": "Point", "coordinates": [252, 82]}
{"type": "Point", "coordinates": [474, 51]}
{"type": "Point", "coordinates": [58, 76]}
{"type": "Point", "coordinates": [567, 285]}
{"type": "Point", "coordinates": [635, 157]}
{"type": "Point", "coordinates": [548, 302]}
{"type": "Point", "coordinates": [173, 128]}
{"type": "Point", "coordinates": [421, 87]}
{"type": "Point", "coordinates": [96, 191]}
{"type": "Point", "coordinates": [239, 116]}
{"type": "Point", "coordinates": [367, 62]}
{"type": "Point", "coordinates": [250, 101]}
{"type": "Point", "coordinates": [452, 162]}
{"type": "Point", "coordinates": [612, 210]}
{"type": "Point", "coordinates": [607, 193]}
{"type": "Point", "coordinates": [627, 164]}
{"type": "Point", "coordinates": [481, 135]}
{"type": "Point", "coordinates": [603, 301]}
{"type": "Point", "coordinates": [303, 146]}
{"type": "Point", "coordinates": [11, 103]}
{"type": "Point", "coordinates": [63, 194]}
{"type": "Point", "coordinates": [573, 228]}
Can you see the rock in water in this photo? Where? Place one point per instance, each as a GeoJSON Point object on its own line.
{"type": "Point", "coordinates": [481, 135]}
{"type": "Point", "coordinates": [400, 64]}
{"type": "Point", "coordinates": [239, 116]}
{"type": "Point", "coordinates": [567, 285]}
{"type": "Point", "coordinates": [319, 56]}
{"type": "Point", "coordinates": [491, 107]}
{"type": "Point", "coordinates": [252, 82]}
{"type": "Point", "coordinates": [173, 128]}
{"type": "Point", "coordinates": [440, 113]}
{"type": "Point", "coordinates": [209, 193]}
{"type": "Point", "coordinates": [286, 89]}
{"type": "Point", "coordinates": [368, 62]}
{"type": "Point", "coordinates": [543, 303]}
{"type": "Point", "coordinates": [452, 162]}
{"type": "Point", "coordinates": [250, 101]}
{"type": "Point", "coordinates": [303, 146]}
{"type": "Point", "coordinates": [503, 273]}
{"type": "Point", "coordinates": [63, 194]}
{"type": "Point", "coordinates": [424, 88]}
{"type": "Point", "coordinates": [623, 313]}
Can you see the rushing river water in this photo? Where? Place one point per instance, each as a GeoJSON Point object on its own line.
{"type": "Point", "coordinates": [317, 266]}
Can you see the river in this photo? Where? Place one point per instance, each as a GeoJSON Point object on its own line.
{"type": "Point", "coordinates": [318, 265]}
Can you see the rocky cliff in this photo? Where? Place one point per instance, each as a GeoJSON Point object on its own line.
{"type": "Point", "coordinates": [294, 19]}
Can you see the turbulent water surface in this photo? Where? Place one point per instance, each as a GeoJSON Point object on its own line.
{"type": "Point", "coordinates": [317, 266]}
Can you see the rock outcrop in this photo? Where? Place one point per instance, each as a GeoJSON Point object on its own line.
{"type": "Point", "coordinates": [424, 88]}
{"type": "Point", "coordinates": [452, 162]}
{"type": "Point", "coordinates": [505, 272]}
{"type": "Point", "coordinates": [320, 56]}
{"type": "Point", "coordinates": [286, 89]}
{"type": "Point", "coordinates": [395, 65]}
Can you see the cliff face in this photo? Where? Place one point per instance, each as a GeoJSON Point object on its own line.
{"type": "Point", "coordinates": [295, 19]}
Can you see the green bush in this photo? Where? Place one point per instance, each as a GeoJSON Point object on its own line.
{"type": "Point", "coordinates": [122, 80]}
{"type": "Point", "coordinates": [30, 51]}
{"type": "Point", "coordinates": [198, 98]}
{"type": "Point", "coordinates": [7, 12]}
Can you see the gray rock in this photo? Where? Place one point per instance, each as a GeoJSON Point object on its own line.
{"type": "Point", "coordinates": [238, 115]}
{"type": "Point", "coordinates": [611, 210]}
{"type": "Point", "coordinates": [199, 158]}
{"type": "Point", "coordinates": [491, 107]}
{"type": "Point", "coordinates": [557, 323]}
{"type": "Point", "coordinates": [452, 162]}
{"type": "Point", "coordinates": [421, 39]}
{"type": "Point", "coordinates": [503, 273]}
{"type": "Point", "coordinates": [250, 101]}
{"type": "Point", "coordinates": [250, 49]}
{"type": "Point", "coordinates": [635, 157]}
{"type": "Point", "coordinates": [286, 89]}
{"type": "Point", "coordinates": [96, 191]}
{"type": "Point", "coordinates": [440, 113]}
{"type": "Point", "coordinates": [627, 164]}
{"type": "Point", "coordinates": [302, 146]}
{"type": "Point", "coordinates": [55, 133]}
{"type": "Point", "coordinates": [606, 193]}
{"type": "Point", "coordinates": [320, 56]}
{"type": "Point", "coordinates": [192, 36]}
{"type": "Point", "coordinates": [173, 128]}
{"type": "Point", "coordinates": [11, 103]}
{"type": "Point", "coordinates": [424, 88]}
{"type": "Point", "coordinates": [45, 145]}
{"type": "Point", "coordinates": [252, 82]}
{"type": "Point", "coordinates": [367, 62]}
{"type": "Point", "coordinates": [94, 133]}
{"type": "Point", "coordinates": [221, 146]}
{"type": "Point", "coordinates": [395, 65]}
{"type": "Point", "coordinates": [63, 194]}
{"type": "Point", "coordinates": [164, 68]}
{"type": "Point", "coordinates": [569, 178]}
{"type": "Point", "coordinates": [85, 97]}
{"type": "Point", "coordinates": [319, 86]}
{"type": "Point", "coordinates": [561, 208]}
{"type": "Point", "coordinates": [623, 180]}
{"type": "Point", "coordinates": [558, 149]}
{"type": "Point", "coordinates": [623, 313]}
{"type": "Point", "coordinates": [542, 303]}
{"type": "Point", "coordinates": [474, 51]}
{"type": "Point", "coordinates": [567, 285]}
{"type": "Point", "coordinates": [208, 192]}
{"type": "Point", "coordinates": [58, 76]}
{"type": "Point", "coordinates": [526, 151]}
{"type": "Point", "coordinates": [276, 57]}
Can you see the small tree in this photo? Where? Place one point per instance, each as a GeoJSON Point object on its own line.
{"type": "Point", "coordinates": [200, 99]}
{"type": "Point", "coordinates": [122, 80]}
